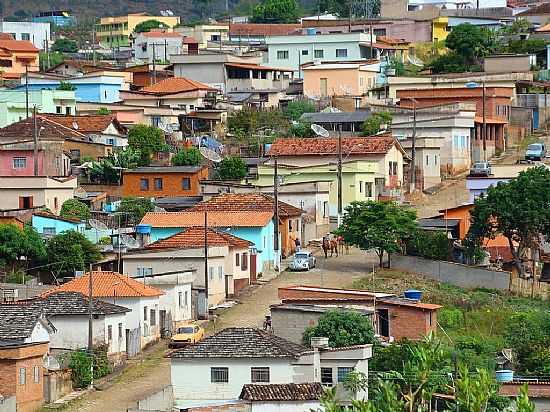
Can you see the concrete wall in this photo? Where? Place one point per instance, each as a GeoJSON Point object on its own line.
{"type": "Point", "coordinates": [456, 274]}
{"type": "Point", "coordinates": [56, 385]}
{"type": "Point", "coordinates": [159, 401]}
{"type": "Point", "coordinates": [8, 404]}
{"type": "Point", "coordinates": [290, 325]}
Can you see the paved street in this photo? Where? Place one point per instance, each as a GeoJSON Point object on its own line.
{"type": "Point", "coordinates": [153, 373]}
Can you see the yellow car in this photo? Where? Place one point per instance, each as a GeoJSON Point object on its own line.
{"type": "Point", "coordinates": [186, 335]}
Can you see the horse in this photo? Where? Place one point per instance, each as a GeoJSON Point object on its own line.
{"type": "Point", "coordinates": [334, 247]}
{"type": "Point", "coordinates": [326, 246]}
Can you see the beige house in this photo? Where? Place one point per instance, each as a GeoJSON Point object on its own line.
{"type": "Point", "coordinates": [205, 33]}
{"type": "Point", "coordinates": [27, 192]}
{"type": "Point", "coordinates": [228, 260]}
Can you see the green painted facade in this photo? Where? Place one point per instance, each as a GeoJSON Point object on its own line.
{"type": "Point", "coordinates": [13, 103]}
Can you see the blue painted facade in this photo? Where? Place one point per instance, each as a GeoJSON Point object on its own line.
{"type": "Point", "coordinates": [50, 226]}
{"type": "Point", "coordinates": [262, 237]}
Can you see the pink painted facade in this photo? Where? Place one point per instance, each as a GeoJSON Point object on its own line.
{"type": "Point", "coordinates": [338, 79]}
{"type": "Point", "coordinates": [11, 162]}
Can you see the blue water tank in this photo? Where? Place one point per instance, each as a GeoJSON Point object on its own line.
{"type": "Point", "coordinates": [413, 294]}
{"type": "Point", "coordinates": [504, 375]}
{"type": "Point", "coordinates": [311, 31]}
{"type": "Point", "coordinates": [143, 229]}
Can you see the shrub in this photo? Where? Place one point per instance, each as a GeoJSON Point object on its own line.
{"type": "Point", "coordinates": [450, 318]}
{"type": "Point", "coordinates": [431, 245]}
{"type": "Point", "coordinates": [75, 209]}
{"type": "Point", "coordinates": [342, 328]}
{"type": "Point", "coordinates": [231, 168]}
{"type": "Point", "coordinates": [187, 157]}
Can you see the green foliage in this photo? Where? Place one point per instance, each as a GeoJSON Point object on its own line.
{"type": "Point", "coordinates": [342, 8]}
{"type": "Point", "coordinates": [147, 140]}
{"type": "Point", "coordinates": [245, 124]}
{"type": "Point", "coordinates": [149, 25]}
{"type": "Point", "coordinates": [398, 66]}
{"type": "Point", "coordinates": [342, 328]}
{"type": "Point", "coordinates": [103, 111]}
{"type": "Point", "coordinates": [474, 392]}
{"type": "Point", "coordinates": [431, 245]}
{"type": "Point", "coordinates": [529, 46]}
{"type": "Point", "coordinates": [374, 123]}
{"type": "Point", "coordinates": [70, 251]}
{"type": "Point", "coordinates": [301, 129]}
{"type": "Point", "coordinates": [66, 86]}
{"type": "Point", "coordinates": [275, 11]}
{"type": "Point", "coordinates": [231, 168]}
{"type": "Point", "coordinates": [48, 60]}
{"type": "Point", "coordinates": [80, 363]}
{"type": "Point", "coordinates": [135, 208]}
{"type": "Point", "coordinates": [16, 244]}
{"type": "Point", "coordinates": [296, 108]}
{"type": "Point", "coordinates": [65, 46]}
{"type": "Point", "coordinates": [518, 209]}
{"type": "Point", "coordinates": [106, 240]}
{"type": "Point", "coordinates": [108, 169]}
{"type": "Point", "coordinates": [75, 209]}
{"type": "Point", "coordinates": [187, 157]}
{"type": "Point", "coordinates": [523, 404]}
{"type": "Point", "coordinates": [519, 26]}
{"type": "Point", "coordinates": [450, 318]}
{"type": "Point", "coordinates": [18, 276]}
{"type": "Point", "coordinates": [451, 63]}
{"type": "Point", "coordinates": [378, 226]}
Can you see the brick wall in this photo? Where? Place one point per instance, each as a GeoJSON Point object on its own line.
{"type": "Point", "coordinates": [171, 184]}
{"type": "Point", "coordinates": [7, 377]}
{"type": "Point", "coordinates": [410, 323]}
{"type": "Point", "coordinates": [288, 293]}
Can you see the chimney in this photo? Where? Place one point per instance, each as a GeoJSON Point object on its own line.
{"type": "Point", "coordinates": [318, 343]}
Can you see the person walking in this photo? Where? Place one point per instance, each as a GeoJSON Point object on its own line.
{"type": "Point", "coordinates": [297, 244]}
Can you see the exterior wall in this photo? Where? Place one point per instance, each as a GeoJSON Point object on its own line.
{"type": "Point", "coordinates": [37, 33]}
{"type": "Point", "coordinates": [340, 82]}
{"type": "Point", "coordinates": [299, 406]}
{"type": "Point", "coordinates": [183, 101]}
{"type": "Point", "coordinates": [41, 222]}
{"type": "Point", "coordinates": [163, 47]}
{"type": "Point", "coordinates": [290, 325]}
{"type": "Point", "coordinates": [410, 323]}
{"type": "Point", "coordinates": [240, 277]}
{"type": "Point", "coordinates": [72, 332]}
{"type": "Point", "coordinates": [171, 184]}
{"type": "Point", "coordinates": [114, 31]}
{"type": "Point", "coordinates": [212, 74]}
{"type": "Point", "coordinates": [204, 33]}
{"type": "Point", "coordinates": [19, 60]}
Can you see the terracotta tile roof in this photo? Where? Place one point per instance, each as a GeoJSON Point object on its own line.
{"type": "Point", "coordinates": [241, 343]}
{"type": "Point", "coordinates": [190, 40]}
{"type": "Point", "coordinates": [282, 392]}
{"type": "Point", "coordinates": [95, 123]}
{"type": "Point", "coordinates": [18, 46]}
{"type": "Point", "coordinates": [194, 238]}
{"type": "Point", "coordinates": [263, 29]}
{"type": "Point", "coordinates": [329, 146]}
{"type": "Point", "coordinates": [107, 284]}
{"type": "Point", "coordinates": [237, 202]}
{"type": "Point", "coordinates": [215, 219]}
{"type": "Point", "coordinates": [175, 85]}
{"type": "Point", "coordinates": [500, 251]}
{"type": "Point", "coordinates": [6, 36]}
{"type": "Point", "coordinates": [24, 129]}
{"type": "Point", "coordinates": [158, 33]}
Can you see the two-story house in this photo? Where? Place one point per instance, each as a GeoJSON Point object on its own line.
{"type": "Point", "coordinates": [16, 57]}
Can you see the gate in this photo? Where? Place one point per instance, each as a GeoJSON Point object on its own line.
{"type": "Point", "coordinates": [133, 342]}
{"type": "Point", "coordinates": [253, 265]}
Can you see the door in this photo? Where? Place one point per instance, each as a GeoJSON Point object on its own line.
{"type": "Point", "coordinates": [383, 322]}
{"type": "Point", "coordinates": [253, 267]}
{"type": "Point", "coordinates": [323, 87]}
{"type": "Point", "coordinates": [163, 327]}
{"type": "Point", "coordinates": [25, 202]}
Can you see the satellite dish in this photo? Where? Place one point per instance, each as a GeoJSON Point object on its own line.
{"type": "Point", "coordinates": [97, 224]}
{"type": "Point", "coordinates": [75, 125]}
{"type": "Point", "coordinates": [210, 154]}
{"type": "Point", "coordinates": [320, 130]}
{"type": "Point", "coordinates": [128, 241]}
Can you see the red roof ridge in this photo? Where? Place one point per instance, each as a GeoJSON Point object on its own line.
{"type": "Point", "coordinates": [193, 237]}
{"type": "Point", "coordinates": [173, 85]}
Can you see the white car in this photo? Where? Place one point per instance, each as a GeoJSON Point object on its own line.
{"type": "Point", "coordinates": [303, 260]}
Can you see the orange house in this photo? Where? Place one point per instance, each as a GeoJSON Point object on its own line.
{"type": "Point", "coordinates": [15, 55]}
{"type": "Point", "coordinates": [163, 181]}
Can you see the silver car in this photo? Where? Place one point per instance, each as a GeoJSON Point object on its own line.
{"type": "Point", "coordinates": [303, 260]}
{"type": "Point", "coordinates": [481, 169]}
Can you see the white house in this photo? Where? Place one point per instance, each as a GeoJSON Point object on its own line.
{"type": "Point", "coordinates": [37, 33]}
{"type": "Point", "coordinates": [142, 322]}
{"type": "Point", "coordinates": [23, 325]}
{"type": "Point", "coordinates": [157, 45]}
{"type": "Point", "coordinates": [218, 367]}
{"type": "Point", "coordinates": [68, 313]}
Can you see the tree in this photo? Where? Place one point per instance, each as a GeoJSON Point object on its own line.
{"type": "Point", "coordinates": [108, 170]}
{"type": "Point", "coordinates": [301, 129]}
{"type": "Point", "coordinates": [231, 168]}
{"type": "Point", "coordinates": [11, 244]}
{"type": "Point", "coordinates": [473, 393]}
{"type": "Point", "coordinates": [65, 46]}
{"type": "Point", "coordinates": [471, 42]}
{"type": "Point", "coordinates": [33, 248]}
{"type": "Point", "coordinates": [275, 11]}
{"type": "Point", "coordinates": [342, 8]}
{"type": "Point", "coordinates": [519, 210]}
{"type": "Point", "coordinates": [146, 139]}
{"type": "Point", "coordinates": [378, 226]}
{"type": "Point", "coordinates": [135, 208]}
{"type": "Point", "coordinates": [66, 86]}
{"type": "Point", "coordinates": [48, 60]}
{"type": "Point", "coordinates": [75, 209]}
{"type": "Point", "coordinates": [70, 251]}
{"type": "Point", "coordinates": [373, 124]}
{"type": "Point", "coordinates": [148, 25]}
{"type": "Point", "coordinates": [296, 108]}
{"type": "Point", "coordinates": [103, 111]}
{"type": "Point", "coordinates": [342, 328]}
{"type": "Point", "coordinates": [187, 157]}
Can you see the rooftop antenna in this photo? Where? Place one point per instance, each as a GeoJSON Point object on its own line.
{"type": "Point", "coordinates": [98, 226]}
{"type": "Point", "coordinates": [320, 130]}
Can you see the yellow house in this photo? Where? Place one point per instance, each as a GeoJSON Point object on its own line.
{"type": "Point", "coordinates": [16, 56]}
{"type": "Point", "coordinates": [204, 33]}
{"type": "Point", "coordinates": [115, 31]}
{"type": "Point", "coordinates": [439, 28]}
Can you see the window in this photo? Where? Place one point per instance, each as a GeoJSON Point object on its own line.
{"type": "Point", "coordinates": [427, 160]}
{"type": "Point", "coordinates": [180, 299]}
{"type": "Point", "coordinates": [145, 313]}
{"type": "Point", "coordinates": [211, 273]}
{"type": "Point", "coordinates": [341, 52]}
{"type": "Point", "coordinates": [319, 54]}
{"type": "Point", "coordinates": [368, 189]}
{"type": "Point", "coordinates": [153, 320]}
{"type": "Point", "coordinates": [259, 375]}
{"type": "Point", "coordinates": [67, 110]}
{"type": "Point", "coordinates": [360, 187]}
{"type": "Point", "coordinates": [186, 183]}
{"type": "Point", "coordinates": [305, 52]}
{"type": "Point", "coordinates": [143, 272]}
{"type": "Point", "coordinates": [36, 374]}
{"type": "Point", "coordinates": [25, 36]}
{"type": "Point", "coordinates": [220, 272]}
{"type": "Point", "coordinates": [22, 376]}
{"type": "Point", "coordinates": [186, 299]}
{"type": "Point", "coordinates": [393, 168]}
{"type": "Point", "coordinates": [282, 54]}
{"type": "Point", "coordinates": [75, 153]}
{"type": "Point", "coordinates": [48, 231]}
{"type": "Point", "coordinates": [219, 375]}
{"type": "Point", "coordinates": [109, 333]}
{"type": "Point", "coordinates": [144, 184]}
{"type": "Point", "coordinates": [326, 376]}
{"type": "Point", "coordinates": [58, 109]}
{"type": "Point", "coordinates": [435, 159]}
{"type": "Point", "coordinates": [155, 121]}
{"type": "Point", "coordinates": [325, 209]}
{"type": "Point", "coordinates": [244, 261]}
{"type": "Point", "coordinates": [237, 259]}
{"type": "Point", "coordinates": [120, 331]}
{"type": "Point", "coordinates": [158, 183]}
{"type": "Point", "coordinates": [342, 373]}
{"type": "Point", "coordinates": [25, 202]}
{"type": "Point", "coordinates": [19, 162]}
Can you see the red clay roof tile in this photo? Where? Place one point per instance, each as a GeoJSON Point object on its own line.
{"type": "Point", "coordinates": [95, 123]}
{"type": "Point", "coordinates": [18, 46]}
{"type": "Point", "coordinates": [329, 146]}
{"type": "Point", "coordinates": [173, 85]}
{"type": "Point", "coordinates": [255, 29]}
{"type": "Point", "coordinates": [215, 219]}
{"type": "Point", "coordinates": [193, 237]}
{"type": "Point", "coordinates": [236, 202]}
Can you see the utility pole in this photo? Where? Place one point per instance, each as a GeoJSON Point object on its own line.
{"type": "Point", "coordinates": [154, 65]}
{"type": "Point", "coordinates": [413, 151]}
{"type": "Point", "coordinates": [484, 125]}
{"type": "Point", "coordinates": [165, 51]}
{"type": "Point", "coordinates": [339, 172]}
{"type": "Point", "coordinates": [27, 89]}
{"type": "Point", "coordinates": [276, 213]}
{"type": "Point", "coordinates": [90, 324]}
{"type": "Point", "coordinates": [35, 138]}
{"type": "Point", "coordinates": [93, 44]}
{"type": "Point", "coordinates": [206, 259]}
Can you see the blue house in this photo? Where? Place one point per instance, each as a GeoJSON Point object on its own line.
{"type": "Point", "coordinates": [48, 225]}
{"type": "Point", "coordinates": [92, 87]}
{"type": "Point", "coordinates": [256, 227]}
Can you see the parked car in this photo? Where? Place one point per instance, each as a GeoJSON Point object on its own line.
{"type": "Point", "coordinates": [535, 151]}
{"type": "Point", "coordinates": [186, 335]}
{"type": "Point", "coordinates": [481, 169]}
{"type": "Point", "coordinates": [303, 260]}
